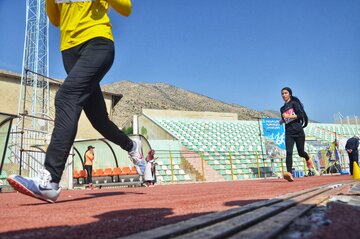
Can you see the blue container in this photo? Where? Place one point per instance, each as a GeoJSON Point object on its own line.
{"type": "Point", "coordinates": [344, 171]}
{"type": "Point", "coordinates": [301, 174]}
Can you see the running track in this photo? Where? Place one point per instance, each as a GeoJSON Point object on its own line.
{"type": "Point", "coordinates": [109, 213]}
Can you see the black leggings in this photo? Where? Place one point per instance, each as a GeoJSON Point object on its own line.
{"type": "Point", "coordinates": [88, 169]}
{"type": "Point", "coordinates": [85, 65]}
{"type": "Point", "coordinates": [353, 157]}
{"type": "Point", "coordinates": [300, 143]}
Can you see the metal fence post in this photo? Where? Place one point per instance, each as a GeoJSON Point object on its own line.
{"type": "Point", "coordinates": [257, 163]}
{"type": "Point", "coordinates": [231, 166]}
{"type": "Point", "coordinates": [172, 168]}
{"type": "Point", "coordinates": [202, 166]}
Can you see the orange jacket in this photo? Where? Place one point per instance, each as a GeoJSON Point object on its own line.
{"type": "Point", "coordinates": [89, 158]}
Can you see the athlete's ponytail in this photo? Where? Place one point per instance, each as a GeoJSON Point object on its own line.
{"type": "Point", "coordinates": [304, 121]}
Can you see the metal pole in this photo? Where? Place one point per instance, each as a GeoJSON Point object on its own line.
{"type": "Point", "coordinates": [24, 112]}
{"type": "Point", "coordinates": [261, 141]}
{"type": "Point", "coordinates": [323, 154]}
{"type": "Point", "coordinates": [172, 168]}
{"type": "Point", "coordinates": [231, 167]}
{"type": "Point", "coordinates": [343, 158]}
{"type": "Point", "coordinates": [6, 143]}
{"type": "Point", "coordinates": [264, 168]}
{"type": "Point", "coordinates": [262, 148]}
{"type": "Point", "coordinates": [23, 123]}
{"type": "Point", "coordinates": [257, 163]}
{"type": "Point", "coordinates": [202, 166]}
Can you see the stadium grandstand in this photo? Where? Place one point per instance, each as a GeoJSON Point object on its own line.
{"type": "Point", "coordinates": [216, 146]}
{"type": "Point", "coordinates": [190, 145]}
{"type": "Point", "coordinates": [200, 146]}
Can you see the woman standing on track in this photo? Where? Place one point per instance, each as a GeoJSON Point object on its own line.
{"type": "Point", "coordinates": [89, 158]}
{"type": "Point", "coordinates": [295, 119]}
{"type": "Point", "coordinates": [149, 174]}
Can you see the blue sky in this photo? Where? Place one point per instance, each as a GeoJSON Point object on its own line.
{"type": "Point", "coordinates": [236, 51]}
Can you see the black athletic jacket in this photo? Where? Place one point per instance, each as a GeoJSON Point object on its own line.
{"type": "Point", "coordinates": [293, 127]}
{"type": "Point", "coordinates": [352, 143]}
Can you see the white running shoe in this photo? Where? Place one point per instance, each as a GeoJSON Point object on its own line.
{"type": "Point", "coordinates": [137, 157]}
{"type": "Point", "coordinates": [39, 188]}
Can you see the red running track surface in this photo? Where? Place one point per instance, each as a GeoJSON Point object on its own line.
{"type": "Point", "coordinates": [109, 213]}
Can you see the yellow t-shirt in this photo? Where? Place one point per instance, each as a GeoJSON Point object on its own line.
{"type": "Point", "coordinates": [80, 20]}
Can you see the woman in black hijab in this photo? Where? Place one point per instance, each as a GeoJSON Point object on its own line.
{"type": "Point", "coordinates": [295, 119]}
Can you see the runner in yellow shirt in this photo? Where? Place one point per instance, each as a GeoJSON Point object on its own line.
{"type": "Point", "coordinates": [87, 49]}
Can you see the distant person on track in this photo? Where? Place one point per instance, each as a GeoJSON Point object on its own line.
{"type": "Point", "coordinates": [89, 158]}
{"type": "Point", "coordinates": [149, 175]}
{"type": "Point", "coordinates": [87, 47]}
{"type": "Point", "coordinates": [295, 119]}
{"type": "Point", "coordinates": [351, 147]}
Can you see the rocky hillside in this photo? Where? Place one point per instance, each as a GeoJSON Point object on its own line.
{"type": "Point", "coordinates": [272, 113]}
{"type": "Point", "coordinates": [163, 96]}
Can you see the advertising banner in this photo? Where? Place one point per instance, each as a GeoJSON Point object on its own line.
{"type": "Point", "coordinates": [274, 137]}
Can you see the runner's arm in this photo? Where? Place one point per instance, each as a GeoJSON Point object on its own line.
{"type": "Point", "coordinates": [299, 114]}
{"type": "Point", "coordinates": [53, 12]}
{"type": "Point", "coordinates": [121, 6]}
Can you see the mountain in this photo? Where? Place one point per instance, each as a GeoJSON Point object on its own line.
{"type": "Point", "coordinates": [276, 114]}
{"type": "Point", "coordinates": [166, 97]}
{"type": "Point", "coordinates": [272, 113]}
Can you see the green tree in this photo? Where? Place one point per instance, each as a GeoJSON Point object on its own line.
{"type": "Point", "coordinates": [128, 130]}
{"type": "Point", "coordinates": [143, 132]}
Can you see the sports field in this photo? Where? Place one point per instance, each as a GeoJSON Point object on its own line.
{"type": "Point", "coordinates": [118, 212]}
